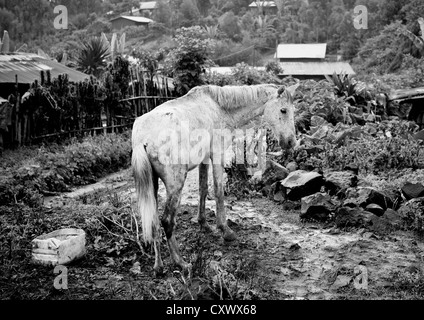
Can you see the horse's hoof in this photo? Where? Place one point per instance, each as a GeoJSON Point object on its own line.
{"type": "Point", "coordinates": [159, 271]}
{"type": "Point", "coordinates": [206, 227]}
{"type": "Point", "coordinates": [230, 236]}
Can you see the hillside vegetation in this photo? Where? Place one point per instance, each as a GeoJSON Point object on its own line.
{"type": "Point", "coordinates": [241, 34]}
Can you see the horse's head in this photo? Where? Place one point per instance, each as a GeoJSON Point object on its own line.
{"type": "Point", "coordinates": [279, 114]}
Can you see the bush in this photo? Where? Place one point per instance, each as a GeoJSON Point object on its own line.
{"type": "Point", "coordinates": [389, 146]}
{"type": "Point", "coordinates": [56, 168]}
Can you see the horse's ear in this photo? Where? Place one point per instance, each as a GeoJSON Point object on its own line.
{"type": "Point", "coordinates": [281, 90]}
{"type": "Point", "coordinates": [292, 90]}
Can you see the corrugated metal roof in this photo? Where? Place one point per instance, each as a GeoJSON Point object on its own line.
{"type": "Point", "coordinates": [315, 68]}
{"type": "Point", "coordinates": [299, 51]}
{"type": "Point", "coordinates": [134, 18]}
{"type": "Point", "coordinates": [407, 94]}
{"type": "Point", "coordinates": [263, 3]}
{"type": "Point", "coordinates": [228, 70]}
{"type": "Point", "coordinates": [148, 5]}
{"type": "Point", "coordinates": [28, 66]}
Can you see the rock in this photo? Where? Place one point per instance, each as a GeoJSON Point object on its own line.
{"type": "Point", "coordinates": [291, 166]}
{"type": "Point", "coordinates": [317, 122]}
{"type": "Point", "coordinates": [302, 184]}
{"type": "Point", "coordinates": [341, 281]}
{"type": "Point", "coordinates": [317, 206]}
{"type": "Point", "coordinates": [364, 196]}
{"type": "Point", "coordinates": [337, 181]}
{"type": "Point", "coordinates": [413, 190]}
{"type": "Point", "coordinates": [321, 133]}
{"type": "Point", "coordinates": [274, 172]}
{"type": "Point", "coordinates": [353, 217]}
{"type": "Point", "coordinates": [376, 209]}
{"type": "Point", "coordinates": [419, 135]}
{"type": "Point", "coordinates": [275, 192]}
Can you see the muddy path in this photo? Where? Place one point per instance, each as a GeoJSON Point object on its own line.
{"type": "Point", "coordinates": [275, 255]}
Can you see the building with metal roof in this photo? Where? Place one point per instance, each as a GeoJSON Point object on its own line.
{"type": "Point", "coordinates": [307, 70]}
{"type": "Point", "coordinates": [148, 5]}
{"type": "Point", "coordinates": [267, 7]}
{"type": "Point", "coordinates": [308, 61]}
{"type": "Point", "coordinates": [27, 66]}
{"type": "Point", "coordinates": [301, 52]}
{"type": "Point", "coordinates": [128, 21]}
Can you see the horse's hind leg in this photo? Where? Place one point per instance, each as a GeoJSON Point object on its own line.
{"type": "Point", "coordinates": [173, 190]}
{"type": "Point", "coordinates": [158, 267]}
{"type": "Point", "coordinates": [221, 220]}
{"type": "Point", "coordinates": [203, 192]}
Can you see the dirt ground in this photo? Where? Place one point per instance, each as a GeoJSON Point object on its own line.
{"type": "Point", "coordinates": [274, 257]}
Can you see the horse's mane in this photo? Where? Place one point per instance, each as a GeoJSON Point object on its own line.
{"type": "Point", "coordinates": [234, 97]}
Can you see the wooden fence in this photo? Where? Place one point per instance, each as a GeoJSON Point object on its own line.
{"type": "Point", "coordinates": [18, 126]}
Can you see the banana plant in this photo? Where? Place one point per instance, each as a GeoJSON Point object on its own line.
{"type": "Point", "coordinates": [5, 43]}
{"type": "Point", "coordinates": [418, 41]}
{"type": "Point", "coordinates": [344, 86]}
{"type": "Point", "coordinates": [116, 46]}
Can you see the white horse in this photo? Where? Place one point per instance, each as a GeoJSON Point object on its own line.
{"type": "Point", "coordinates": [160, 135]}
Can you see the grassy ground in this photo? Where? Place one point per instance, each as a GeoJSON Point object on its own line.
{"type": "Point", "coordinates": [276, 255]}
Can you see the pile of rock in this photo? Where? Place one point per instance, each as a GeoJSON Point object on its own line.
{"type": "Point", "coordinates": [339, 195]}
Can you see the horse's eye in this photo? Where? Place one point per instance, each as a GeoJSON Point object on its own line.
{"type": "Point", "coordinates": [283, 111]}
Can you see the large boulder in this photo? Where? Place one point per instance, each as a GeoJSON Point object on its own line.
{"type": "Point", "coordinates": [364, 196]}
{"type": "Point", "coordinates": [301, 184]}
{"type": "Point", "coordinates": [317, 206]}
{"type": "Point", "coordinates": [413, 190]}
{"type": "Point", "coordinates": [337, 182]}
{"type": "Point", "coordinates": [274, 172]}
{"type": "Point", "coordinates": [419, 135]}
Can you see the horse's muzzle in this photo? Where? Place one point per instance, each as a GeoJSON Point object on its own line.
{"type": "Point", "coordinates": [287, 144]}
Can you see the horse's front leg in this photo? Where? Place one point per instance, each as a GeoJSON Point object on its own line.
{"type": "Point", "coordinates": [203, 193]}
{"type": "Point", "coordinates": [221, 221]}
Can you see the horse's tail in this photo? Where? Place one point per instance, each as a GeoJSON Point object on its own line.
{"type": "Point", "coordinates": [146, 200]}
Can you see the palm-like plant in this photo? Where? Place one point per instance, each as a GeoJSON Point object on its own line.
{"type": "Point", "coordinates": [418, 41]}
{"type": "Point", "coordinates": [344, 86]}
{"type": "Point", "coordinates": [92, 56]}
{"type": "Point", "coordinates": [212, 32]}
{"type": "Point", "coordinates": [264, 24]}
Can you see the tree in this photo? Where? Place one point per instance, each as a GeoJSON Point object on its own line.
{"type": "Point", "coordinates": [187, 62]}
{"type": "Point", "coordinates": [189, 13]}
{"type": "Point", "coordinates": [6, 20]}
{"type": "Point", "coordinates": [229, 24]}
{"type": "Point", "coordinates": [163, 13]}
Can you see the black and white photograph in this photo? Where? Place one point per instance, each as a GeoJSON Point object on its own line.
{"type": "Point", "coordinates": [210, 156]}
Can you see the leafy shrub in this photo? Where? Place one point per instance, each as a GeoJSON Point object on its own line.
{"type": "Point", "coordinates": [389, 147]}
{"type": "Point", "coordinates": [274, 68]}
{"type": "Point", "coordinates": [244, 74]}
{"type": "Point", "coordinates": [241, 74]}
{"type": "Point", "coordinates": [56, 168]}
